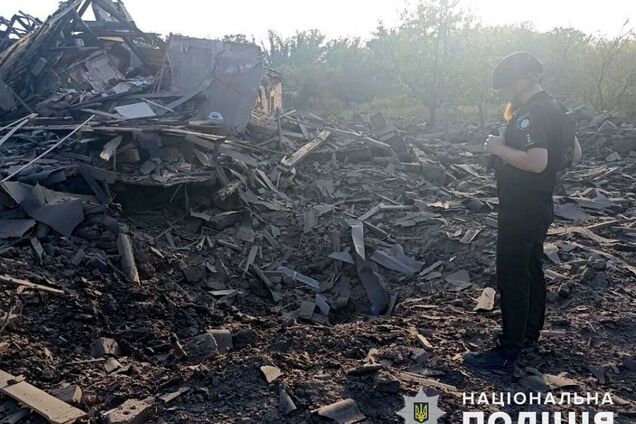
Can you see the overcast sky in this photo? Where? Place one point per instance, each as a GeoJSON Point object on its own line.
{"type": "Point", "coordinates": [339, 18]}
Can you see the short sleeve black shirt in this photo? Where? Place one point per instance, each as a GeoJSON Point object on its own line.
{"type": "Point", "coordinates": [536, 124]}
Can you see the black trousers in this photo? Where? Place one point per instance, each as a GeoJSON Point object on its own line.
{"type": "Point", "coordinates": [523, 222]}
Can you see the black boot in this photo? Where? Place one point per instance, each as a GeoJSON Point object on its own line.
{"type": "Point", "coordinates": [492, 359]}
{"type": "Point", "coordinates": [531, 345]}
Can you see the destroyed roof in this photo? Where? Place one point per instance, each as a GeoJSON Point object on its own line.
{"type": "Point", "coordinates": [77, 66]}
{"type": "Point", "coordinates": [15, 28]}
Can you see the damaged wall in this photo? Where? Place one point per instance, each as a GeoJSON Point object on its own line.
{"type": "Point", "coordinates": [235, 71]}
{"type": "Point", "coordinates": [270, 96]}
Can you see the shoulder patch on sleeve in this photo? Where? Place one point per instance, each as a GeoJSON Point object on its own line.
{"type": "Point", "coordinates": [524, 121]}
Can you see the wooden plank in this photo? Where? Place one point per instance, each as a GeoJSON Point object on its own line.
{"type": "Point", "coordinates": [368, 140]}
{"type": "Point", "coordinates": [33, 115]}
{"type": "Point", "coordinates": [124, 245]}
{"type": "Point", "coordinates": [178, 131]}
{"type": "Point", "coordinates": [51, 408]}
{"type": "Point", "coordinates": [24, 283]}
{"type": "Point", "coordinates": [12, 131]}
{"type": "Point", "coordinates": [303, 152]}
{"type": "Point", "coordinates": [102, 113]}
{"type": "Point", "coordinates": [110, 148]}
{"type": "Point", "coordinates": [200, 142]}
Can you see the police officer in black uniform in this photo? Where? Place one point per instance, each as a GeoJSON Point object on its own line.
{"type": "Point", "coordinates": [525, 170]}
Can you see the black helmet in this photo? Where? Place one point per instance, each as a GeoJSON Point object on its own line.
{"type": "Point", "coordinates": [515, 65]}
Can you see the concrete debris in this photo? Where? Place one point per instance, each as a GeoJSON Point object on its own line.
{"type": "Point", "coordinates": [70, 394]}
{"type": "Point", "coordinates": [201, 347]}
{"type": "Point", "coordinates": [486, 300]}
{"type": "Point", "coordinates": [112, 365]}
{"type": "Point", "coordinates": [132, 411]}
{"type": "Point", "coordinates": [223, 339]}
{"type": "Point", "coordinates": [270, 373]}
{"type": "Point", "coordinates": [105, 346]}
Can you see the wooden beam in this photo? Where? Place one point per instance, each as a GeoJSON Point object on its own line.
{"type": "Point", "coordinates": [300, 154]}
{"type": "Point", "coordinates": [12, 131]}
{"type": "Point", "coordinates": [24, 283]}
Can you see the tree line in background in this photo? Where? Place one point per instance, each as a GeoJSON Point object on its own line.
{"type": "Point", "coordinates": [440, 55]}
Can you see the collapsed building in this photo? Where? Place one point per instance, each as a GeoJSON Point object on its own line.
{"type": "Point", "coordinates": [170, 235]}
{"type": "Point", "coordinates": [71, 66]}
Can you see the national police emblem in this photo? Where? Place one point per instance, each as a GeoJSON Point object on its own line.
{"type": "Point", "coordinates": [524, 121]}
{"type": "Point", "coordinates": [420, 412]}
{"type": "Point", "coordinates": [420, 409]}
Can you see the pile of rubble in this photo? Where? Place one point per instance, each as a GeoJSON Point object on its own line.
{"type": "Point", "coordinates": [176, 248]}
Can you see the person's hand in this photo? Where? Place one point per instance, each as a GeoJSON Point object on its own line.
{"type": "Point", "coordinates": [493, 144]}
